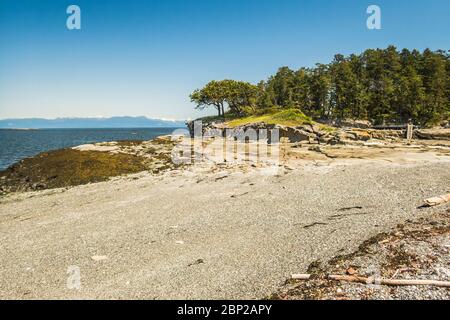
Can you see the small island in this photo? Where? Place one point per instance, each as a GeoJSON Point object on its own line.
{"type": "Point", "coordinates": [362, 144]}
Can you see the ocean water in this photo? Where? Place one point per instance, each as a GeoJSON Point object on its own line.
{"type": "Point", "coordinates": [16, 145]}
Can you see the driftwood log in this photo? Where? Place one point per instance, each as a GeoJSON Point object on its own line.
{"type": "Point", "coordinates": [431, 202]}
{"type": "Point", "coordinates": [371, 280]}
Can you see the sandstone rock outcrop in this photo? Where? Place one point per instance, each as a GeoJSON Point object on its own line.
{"type": "Point", "coordinates": [315, 134]}
{"type": "Point", "coordinates": [433, 134]}
{"type": "Point", "coordinates": [298, 134]}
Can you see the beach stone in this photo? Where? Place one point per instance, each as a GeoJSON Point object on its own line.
{"type": "Point", "coordinates": [99, 258]}
{"type": "Point", "coordinates": [39, 186]}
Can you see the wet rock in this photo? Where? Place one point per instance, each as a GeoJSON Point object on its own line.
{"type": "Point", "coordinates": [68, 167]}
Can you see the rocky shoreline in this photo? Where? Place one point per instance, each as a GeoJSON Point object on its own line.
{"type": "Point", "coordinates": [320, 134]}
{"type": "Point", "coordinates": [217, 230]}
{"type": "Point", "coordinates": [88, 164]}
{"type": "Point", "coordinates": [102, 161]}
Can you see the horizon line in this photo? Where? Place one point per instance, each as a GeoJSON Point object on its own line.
{"type": "Point", "coordinates": [97, 118]}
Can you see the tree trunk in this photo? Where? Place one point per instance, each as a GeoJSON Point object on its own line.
{"type": "Point", "coordinates": [219, 110]}
{"type": "Point", "coordinates": [223, 110]}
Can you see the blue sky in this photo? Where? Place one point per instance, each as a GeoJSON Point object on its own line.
{"type": "Point", "coordinates": [145, 57]}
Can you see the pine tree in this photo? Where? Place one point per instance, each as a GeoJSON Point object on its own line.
{"type": "Point", "coordinates": [320, 91]}
{"type": "Point", "coordinates": [381, 85]}
{"type": "Point", "coordinates": [301, 97]}
{"type": "Point", "coordinates": [435, 80]}
{"type": "Point", "coordinates": [344, 88]}
{"type": "Point", "coordinates": [281, 84]}
{"type": "Point", "coordinates": [359, 107]}
{"type": "Point", "coordinates": [411, 93]}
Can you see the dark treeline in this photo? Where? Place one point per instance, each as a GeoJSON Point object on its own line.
{"type": "Point", "coordinates": [380, 85]}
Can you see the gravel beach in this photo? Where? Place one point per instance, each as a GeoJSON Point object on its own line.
{"type": "Point", "coordinates": [199, 233]}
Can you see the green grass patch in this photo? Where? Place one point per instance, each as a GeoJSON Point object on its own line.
{"type": "Point", "coordinates": [327, 128]}
{"type": "Point", "coordinates": [288, 117]}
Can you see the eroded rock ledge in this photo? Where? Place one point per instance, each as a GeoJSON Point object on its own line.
{"type": "Point", "coordinates": [318, 134]}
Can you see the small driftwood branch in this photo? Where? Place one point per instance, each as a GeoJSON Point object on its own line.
{"type": "Point", "coordinates": [390, 282]}
{"type": "Point", "coordinates": [371, 280]}
{"type": "Point", "coordinates": [431, 202]}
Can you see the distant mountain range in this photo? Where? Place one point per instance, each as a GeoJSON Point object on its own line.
{"type": "Point", "coordinates": [113, 122]}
